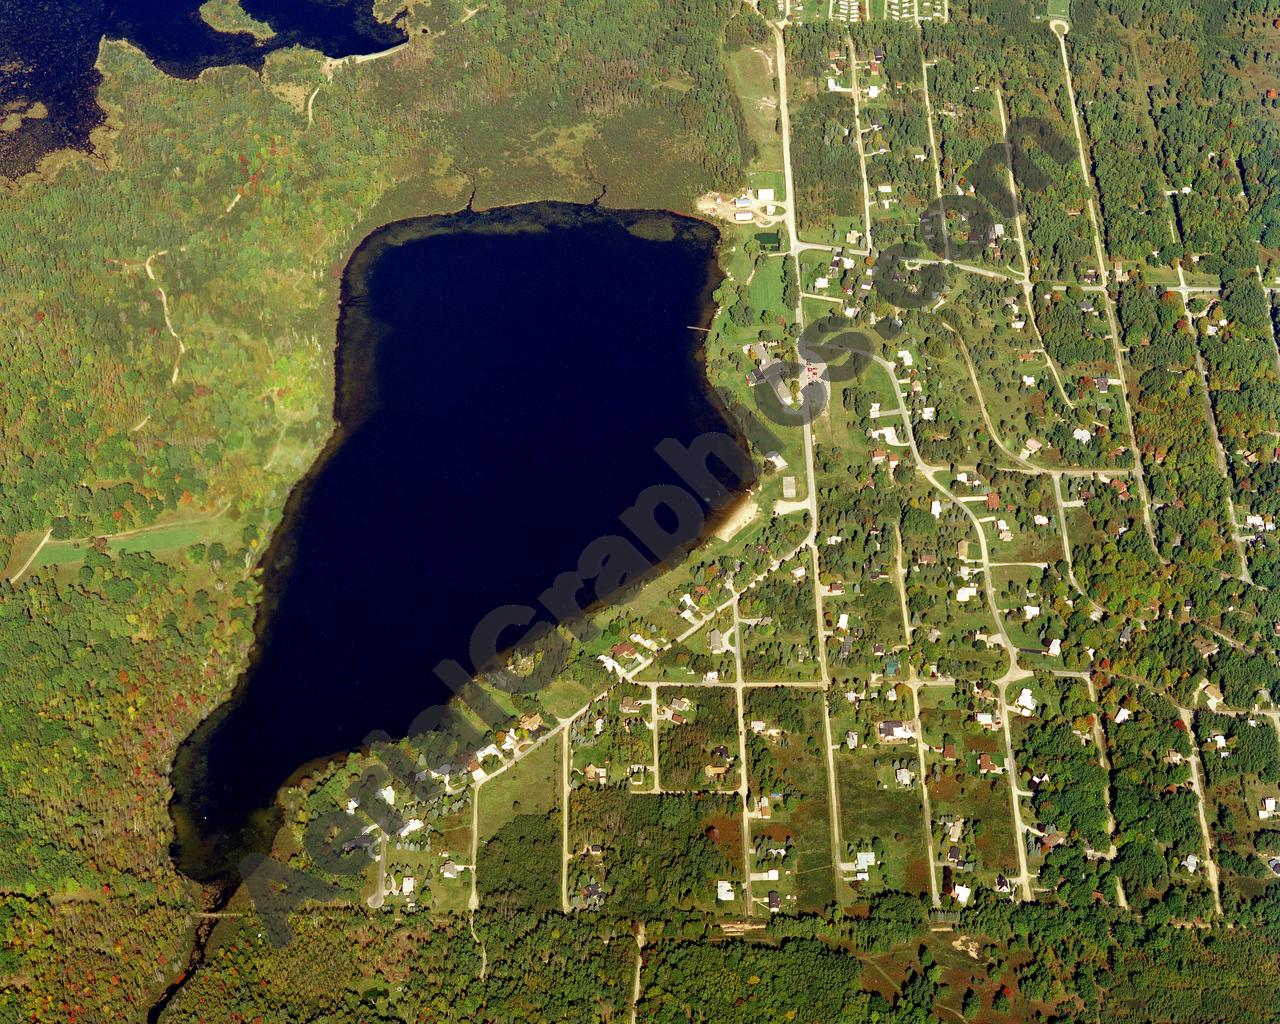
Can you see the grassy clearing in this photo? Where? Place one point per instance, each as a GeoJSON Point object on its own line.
{"type": "Point", "coordinates": [874, 807]}
{"type": "Point", "coordinates": [958, 789]}
{"type": "Point", "coordinates": [751, 74]}
{"type": "Point", "coordinates": [793, 764]}
{"type": "Point", "coordinates": [450, 895]}
{"type": "Point", "coordinates": [564, 697]}
{"type": "Point", "coordinates": [775, 180]}
{"type": "Point", "coordinates": [157, 539]}
{"type": "Point", "coordinates": [532, 786]}
{"type": "Point", "coordinates": [20, 550]}
{"type": "Point", "coordinates": [1034, 544]}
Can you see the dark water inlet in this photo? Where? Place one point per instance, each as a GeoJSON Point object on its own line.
{"type": "Point", "coordinates": [48, 49]}
{"type": "Point", "coordinates": [504, 381]}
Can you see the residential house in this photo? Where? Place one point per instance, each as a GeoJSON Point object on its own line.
{"type": "Point", "coordinates": [893, 731]}
{"type": "Point", "coordinates": [623, 649]}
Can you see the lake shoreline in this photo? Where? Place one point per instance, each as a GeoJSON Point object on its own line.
{"type": "Point", "coordinates": [354, 403]}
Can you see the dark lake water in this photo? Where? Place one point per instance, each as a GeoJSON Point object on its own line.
{"type": "Point", "coordinates": [504, 381]}
{"type": "Point", "coordinates": [48, 49]}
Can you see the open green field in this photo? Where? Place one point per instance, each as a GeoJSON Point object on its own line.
{"type": "Point", "coordinates": [957, 788]}
{"type": "Point", "coordinates": [156, 539]}
{"type": "Point", "coordinates": [765, 289]}
{"type": "Point", "coordinates": [1032, 544]}
{"type": "Point", "coordinates": [21, 549]}
{"type": "Point", "coordinates": [531, 786]}
{"type": "Point", "coordinates": [564, 697]}
{"type": "Point", "coordinates": [751, 74]}
{"type": "Point", "coordinates": [837, 230]}
{"type": "Point", "coordinates": [878, 814]}
{"type": "Point", "coordinates": [1059, 9]}
{"type": "Point", "coordinates": [448, 895]}
{"type": "Point", "coordinates": [790, 770]}
{"type": "Point", "coordinates": [775, 180]}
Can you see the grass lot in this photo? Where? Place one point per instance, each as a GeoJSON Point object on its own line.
{"type": "Point", "coordinates": [957, 789]}
{"type": "Point", "coordinates": [23, 545]}
{"type": "Point", "coordinates": [565, 696]}
{"type": "Point", "coordinates": [775, 180]}
{"type": "Point", "coordinates": [765, 289]}
{"type": "Point", "coordinates": [873, 806]}
{"type": "Point", "coordinates": [450, 895]}
{"type": "Point", "coordinates": [798, 763]}
{"type": "Point", "coordinates": [1059, 9]}
{"type": "Point", "coordinates": [531, 786]}
{"type": "Point", "coordinates": [751, 74]}
{"type": "Point", "coordinates": [1034, 544]}
{"type": "Point", "coordinates": [155, 539]}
